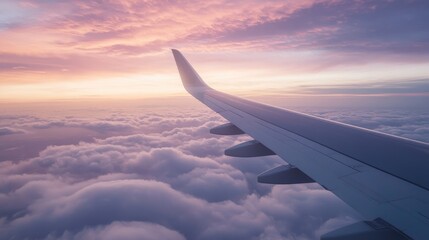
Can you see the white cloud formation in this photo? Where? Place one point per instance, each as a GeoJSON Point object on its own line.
{"type": "Point", "coordinates": [409, 123]}
{"type": "Point", "coordinates": [125, 231]}
{"type": "Point", "coordinates": [167, 178]}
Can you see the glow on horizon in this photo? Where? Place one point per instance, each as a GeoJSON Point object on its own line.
{"type": "Point", "coordinates": [258, 80]}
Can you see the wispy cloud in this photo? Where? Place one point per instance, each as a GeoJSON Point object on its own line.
{"type": "Point", "coordinates": [405, 87]}
{"type": "Point", "coordinates": [347, 26]}
{"type": "Point", "coordinates": [64, 41]}
{"type": "Point", "coordinates": [149, 26]}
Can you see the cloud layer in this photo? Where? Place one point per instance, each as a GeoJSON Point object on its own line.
{"type": "Point", "coordinates": [172, 181]}
{"type": "Point", "coordinates": [134, 27]}
{"type": "Point", "coordinates": [160, 173]}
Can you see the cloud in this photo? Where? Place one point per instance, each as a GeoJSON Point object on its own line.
{"type": "Point", "coordinates": [133, 28]}
{"type": "Point", "coordinates": [126, 231]}
{"type": "Point", "coordinates": [102, 44]}
{"type": "Point", "coordinates": [173, 182]}
{"type": "Point", "coordinates": [8, 130]}
{"type": "Point", "coordinates": [43, 67]}
{"type": "Point", "coordinates": [358, 26]}
{"type": "Point", "coordinates": [99, 126]}
{"type": "Point", "coordinates": [104, 202]}
{"type": "Point", "coordinates": [168, 177]}
{"type": "Point", "coordinates": [411, 123]}
{"type": "Point", "coordinates": [414, 86]}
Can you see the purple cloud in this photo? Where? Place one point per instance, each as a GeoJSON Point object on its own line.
{"type": "Point", "coordinates": [8, 130]}
{"type": "Point", "coordinates": [124, 230]}
{"type": "Point", "coordinates": [356, 26]}
{"type": "Point", "coordinates": [167, 176]}
{"type": "Point", "coordinates": [172, 182]}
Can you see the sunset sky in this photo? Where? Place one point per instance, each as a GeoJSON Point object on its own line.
{"type": "Point", "coordinates": [99, 139]}
{"type": "Point", "coordinates": [121, 49]}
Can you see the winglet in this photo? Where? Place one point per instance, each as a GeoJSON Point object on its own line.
{"type": "Point", "coordinates": [190, 78]}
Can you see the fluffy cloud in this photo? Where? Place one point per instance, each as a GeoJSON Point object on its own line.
{"type": "Point", "coordinates": [165, 175]}
{"type": "Point", "coordinates": [70, 210]}
{"type": "Point", "coordinates": [174, 182]}
{"type": "Point", "coordinates": [125, 230]}
{"type": "Point", "coordinates": [413, 124]}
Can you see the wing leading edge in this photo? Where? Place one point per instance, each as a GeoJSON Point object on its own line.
{"type": "Point", "coordinates": [380, 175]}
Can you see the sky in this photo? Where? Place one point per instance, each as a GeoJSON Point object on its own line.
{"type": "Point", "coordinates": [99, 140]}
{"type": "Point", "coordinates": [83, 49]}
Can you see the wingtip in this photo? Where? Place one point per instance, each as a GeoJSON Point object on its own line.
{"type": "Point", "coordinates": [176, 53]}
{"type": "Point", "coordinates": [190, 78]}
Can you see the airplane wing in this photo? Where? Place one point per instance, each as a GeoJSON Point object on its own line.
{"type": "Point", "coordinates": [384, 177]}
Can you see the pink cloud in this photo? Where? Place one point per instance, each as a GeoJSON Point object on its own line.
{"type": "Point", "coordinates": [89, 41]}
{"type": "Point", "coordinates": [133, 27]}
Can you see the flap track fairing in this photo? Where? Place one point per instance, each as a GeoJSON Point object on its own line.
{"type": "Point", "coordinates": [284, 174]}
{"type": "Point", "coordinates": [226, 129]}
{"type": "Point", "coordinates": [249, 149]}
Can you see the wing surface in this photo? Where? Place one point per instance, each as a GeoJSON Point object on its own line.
{"type": "Point", "coordinates": [384, 177]}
